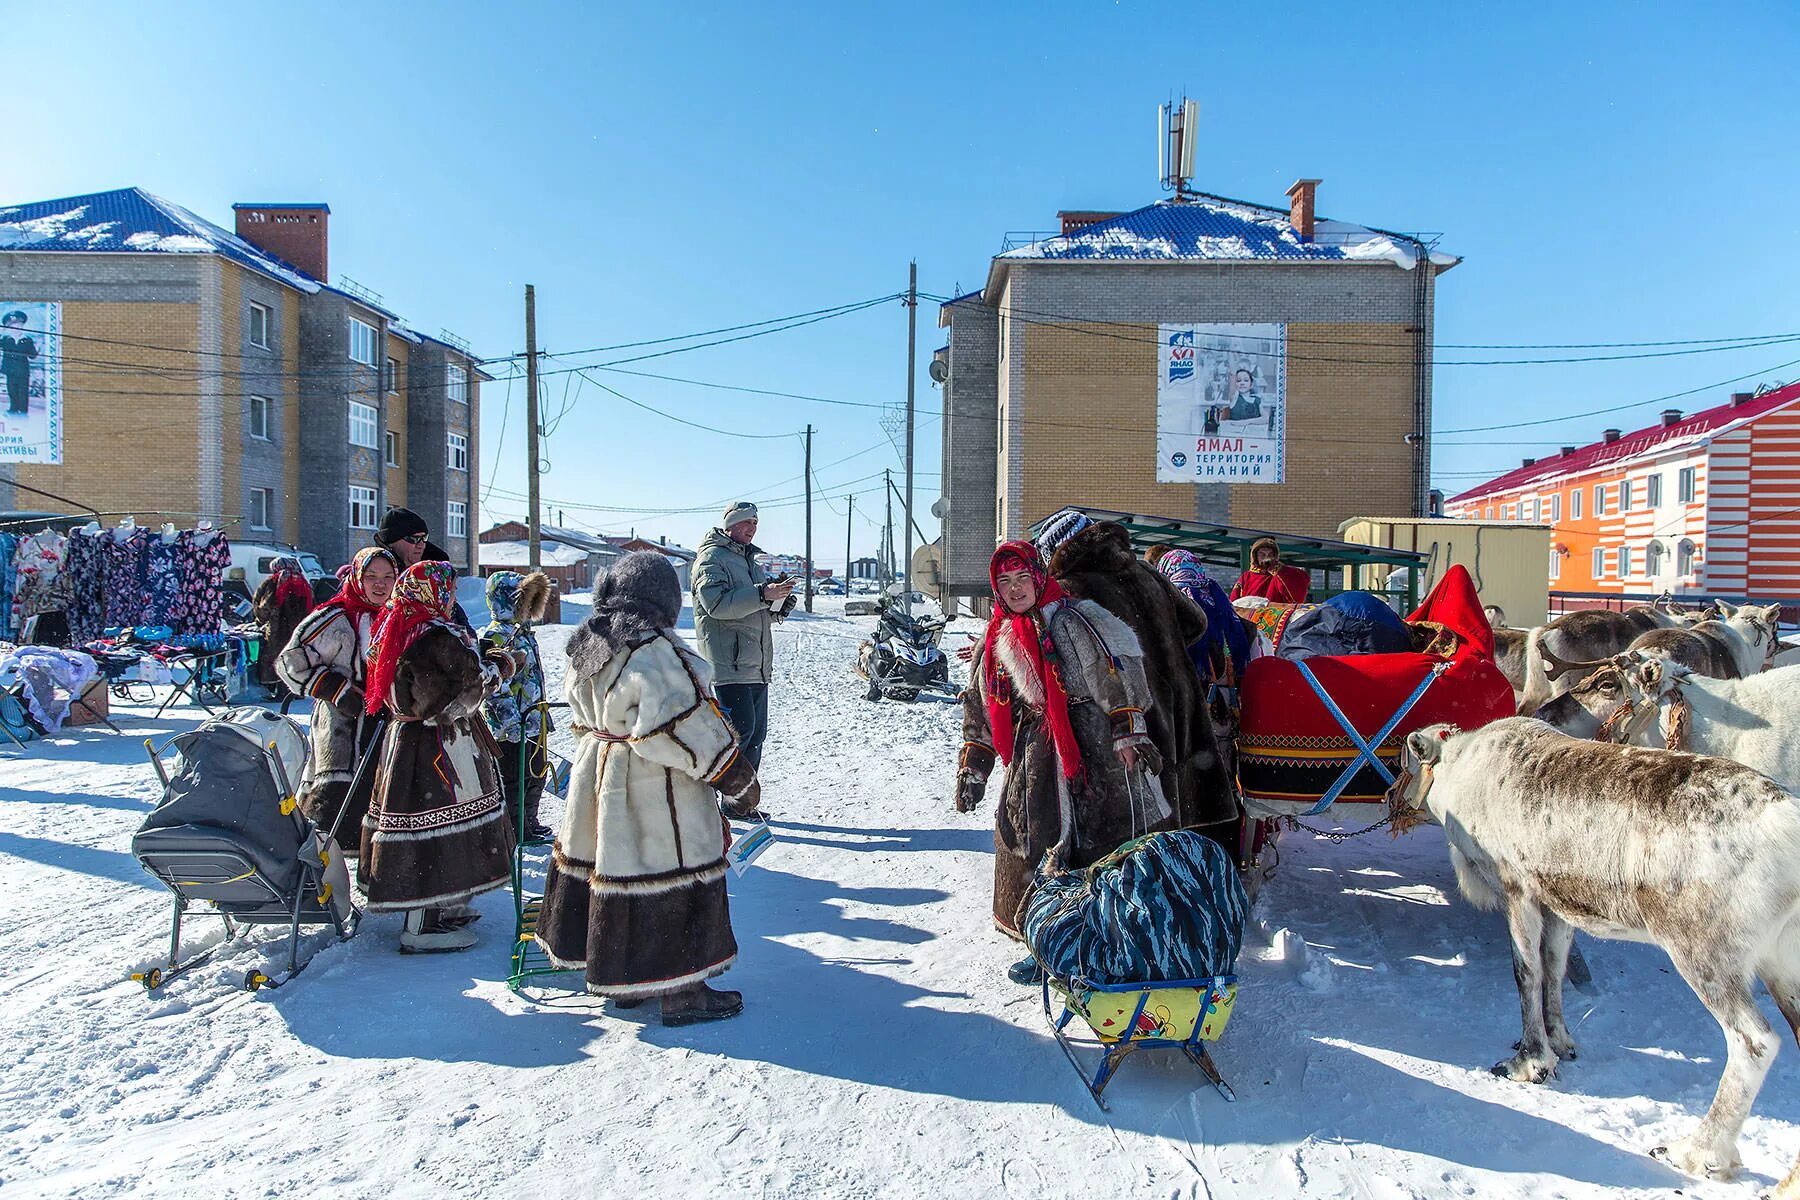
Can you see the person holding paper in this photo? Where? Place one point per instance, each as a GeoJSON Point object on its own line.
{"type": "Point", "coordinates": [636, 887]}
{"type": "Point", "coordinates": [736, 606]}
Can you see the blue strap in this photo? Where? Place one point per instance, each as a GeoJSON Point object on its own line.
{"type": "Point", "coordinates": [1365, 752]}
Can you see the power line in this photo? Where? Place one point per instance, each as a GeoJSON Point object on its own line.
{"type": "Point", "coordinates": [678, 420]}
{"type": "Point", "coordinates": [1597, 412]}
{"type": "Point", "coordinates": [836, 309]}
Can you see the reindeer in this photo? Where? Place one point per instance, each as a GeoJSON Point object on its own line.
{"type": "Point", "coordinates": [1697, 855]}
{"type": "Point", "coordinates": [1740, 645]}
{"type": "Point", "coordinates": [1589, 636]}
{"type": "Point", "coordinates": [1646, 701]}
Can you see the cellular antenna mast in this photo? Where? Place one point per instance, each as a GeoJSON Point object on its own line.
{"type": "Point", "coordinates": [1177, 132]}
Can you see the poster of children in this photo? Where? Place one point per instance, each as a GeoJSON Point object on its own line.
{"type": "Point", "coordinates": [1221, 403]}
{"type": "Point", "coordinates": [30, 381]}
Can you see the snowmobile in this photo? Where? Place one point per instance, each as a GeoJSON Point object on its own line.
{"type": "Point", "coordinates": [902, 659]}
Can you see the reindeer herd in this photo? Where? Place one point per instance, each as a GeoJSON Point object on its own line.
{"type": "Point", "coordinates": [1653, 796]}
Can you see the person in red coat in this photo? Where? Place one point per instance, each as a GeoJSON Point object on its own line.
{"type": "Point", "coordinates": [1269, 579]}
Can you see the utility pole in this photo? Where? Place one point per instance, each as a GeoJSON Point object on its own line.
{"type": "Point", "coordinates": [848, 517]}
{"type": "Point", "coordinates": [534, 549]}
{"type": "Point", "coordinates": [887, 542]}
{"type": "Point", "coordinates": [809, 560]}
{"type": "Point", "coordinates": [912, 345]}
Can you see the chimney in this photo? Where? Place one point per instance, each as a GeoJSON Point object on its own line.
{"type": "Point", "coordinates": [1739, 399]}
{"type": "Point", "coordinates": [1567, 450]}
{"type": "Point", "coordinates": [1079, 218]}
{"type": "Point", "coordinates": [1610, 435]}
{"type": "Point", "coordinates": [294, 233]}
{"type": "Point", "coordinates": [1528, 462]}
{"type": "Point", "coordinates": [1671, 416]}
{"type": "Point", "coordinates": [1301, 212]}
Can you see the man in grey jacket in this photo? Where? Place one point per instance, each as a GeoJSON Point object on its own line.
{"type": "Point", "coordinates": [736, 606]}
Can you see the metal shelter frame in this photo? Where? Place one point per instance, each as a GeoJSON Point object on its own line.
{"type": "Point", "coordinates": [1229, 546]}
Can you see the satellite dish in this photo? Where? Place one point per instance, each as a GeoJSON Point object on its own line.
{"type": "Point", "coordinates": [939, 509]}
{"type": "Point", "coordinates": [938, 371]}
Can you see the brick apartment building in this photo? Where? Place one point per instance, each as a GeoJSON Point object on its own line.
{"type": "Point", "coordinates": [1053, 369]}
{"type": "Point", "coordinates": [1701, 505]}
{"type": "Point", "coordinates": [215, 375]}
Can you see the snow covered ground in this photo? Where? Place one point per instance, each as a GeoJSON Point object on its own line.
{"type": "Point", "coordinates": [882, 1051]}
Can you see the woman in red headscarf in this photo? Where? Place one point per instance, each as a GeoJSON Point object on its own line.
{"type": "Point", "coordinates": [280, 604]}
{"type": "Point", "coordinates": [436, 835]}
{"type": "Point", "coordinates": [1058, 696]}
{"type": "Point", "coordinates": [324, 660]}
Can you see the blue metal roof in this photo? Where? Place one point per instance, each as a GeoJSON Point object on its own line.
{"type": "Point", "coordinates": [131, 220]}
{"type": "Point", "coordinates": [1213, 228]}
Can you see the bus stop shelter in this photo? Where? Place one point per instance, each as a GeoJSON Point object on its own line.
{"type": "Point", "coordinates": [1331, 563]}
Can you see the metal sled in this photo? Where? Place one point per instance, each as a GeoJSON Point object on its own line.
{"type": "Point", "coordinates": [1124, 1018]}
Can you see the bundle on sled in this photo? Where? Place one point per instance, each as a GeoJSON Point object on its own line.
{"type": "Point", "coordinates": [229, 831]}
{"type": "Point", "coordinates": [1321, 733]}
{"type": "Point", "coordinates": [1141, 946]}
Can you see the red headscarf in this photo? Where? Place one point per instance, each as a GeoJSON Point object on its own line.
{"type": "Point", "coordinates": [353, 598]}
{"type": "Point", "coordinates": [425, 596]}
{"type": "Point", "coordinates": [1032, 638]}
{"type": "Point", "coordinates": [290, 582]}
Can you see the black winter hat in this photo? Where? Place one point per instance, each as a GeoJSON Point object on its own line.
{"type": "Point", "coordinates": [398, 523]}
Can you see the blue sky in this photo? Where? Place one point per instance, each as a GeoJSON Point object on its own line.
{"type": "Point", "coordinates": [1609, 172]}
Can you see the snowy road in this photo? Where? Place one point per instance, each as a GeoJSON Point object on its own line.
{"type": "Point", "coordinates": [882, 1052]}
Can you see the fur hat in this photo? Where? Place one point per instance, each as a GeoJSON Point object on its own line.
{"type": "Point", "coordinates": [743, 510]}
{"type": "Point", "coordinates": [637, 598]}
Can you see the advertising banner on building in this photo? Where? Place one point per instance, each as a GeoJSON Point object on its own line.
{"type": "Point", "coordinates": [1221, 404]}
{"type": "Point", "coordinates": [30, 381]}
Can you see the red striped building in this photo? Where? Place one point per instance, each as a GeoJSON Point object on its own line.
{"type": "Point", "coordinates": [1707, 504]}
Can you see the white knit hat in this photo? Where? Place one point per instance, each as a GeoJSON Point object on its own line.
{"type": "Point", "coordinates": [743, 510]}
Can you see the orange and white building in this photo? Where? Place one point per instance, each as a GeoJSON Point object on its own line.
{"type": "Point", "coordinates": [1702, 505]}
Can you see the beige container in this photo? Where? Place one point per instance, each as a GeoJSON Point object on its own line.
{"type": "Point", "coordinates": [1509, 560]}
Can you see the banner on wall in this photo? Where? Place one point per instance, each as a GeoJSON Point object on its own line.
{"type": "Point", "coordinates": [1221, 403]}
{"type": "Point", "coordinates": [31, 425]}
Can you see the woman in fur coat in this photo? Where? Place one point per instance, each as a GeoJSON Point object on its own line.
{"type": "Point", "coordinates": [515, 714]}
{"type": "Point", "coordinates": [636, 892]}
{"type": "Point", "coordinates": [1097, 564]}
{"type": "Point", "coordinates": [280, 604]}
{"type": "Point", "coordinates": [1061, 699]}
{"type": "Point", "coordinates": [324, 660]}
{"type": "Point", "coordinates": [436, 835]}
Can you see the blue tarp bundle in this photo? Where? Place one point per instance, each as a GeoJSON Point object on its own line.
{"type": "Point", "coordinates": [1166, 907]}
{"type": "Point", "coordinates": [1351, 623]}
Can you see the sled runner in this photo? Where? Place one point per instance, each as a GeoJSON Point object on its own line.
{"type": "Point", "coordinates": [229, 831]}
{"type": "Point", "coordinates": [1127, 1017]}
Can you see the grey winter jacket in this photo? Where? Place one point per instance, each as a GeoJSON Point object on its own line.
{"type": "Point", "coordinates": [732, 622]}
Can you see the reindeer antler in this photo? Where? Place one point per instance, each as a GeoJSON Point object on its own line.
{"type": "Point", "coordinates": [1556, 666]}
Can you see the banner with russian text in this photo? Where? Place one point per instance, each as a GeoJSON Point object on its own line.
{"type": "Point", "coordinates": [30, 381]}
{"type": "Point", "coordinates": [1221, 403]}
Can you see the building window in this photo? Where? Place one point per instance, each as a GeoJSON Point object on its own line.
{"type": "Point", "coordinates": [458, 524]}
{"type": "Point", "coordinates": [262, 503]}
{"type": "Point", "coordinates": [1556, 508]}
{"type": "Point", "coordinates": [259, 326]}
{"type": "Point", "coordinates": [1624, 561]}
{"type": "Point", "coordinates": [1555, 564]}
{"type": "Point", "coordinates": [1599, 562]}
{"type": "Point", "coordinates": [393, 377]}
{"type": "Point", "coordinates": [362, 507]}
{"type": "Point", "coordinates": [362, 425]}
{"type": "Point", "coordinates": [456, 385]}
{"type": "Point", "coordinates": [259, 418]}
{"type": "Point", "coordinates": [1625, 496]}
{"type": "Point", "coordinates": [1684, 555]}
{"type": "Point", "coordinates": [1653, 559]}
{"type": "Point", "coordinates": [457, 453]}
{"type": "Point", "coordinates": [1684, 487]}
{"type": "Point", "coordinates": [1574, 504]}
{"type": "Point", "coordinates": [362, 342]}
{"type": "Point", "coordinates": [1653, 491]}
{"type": "Point", "coordinates": [392, 448]}
{"type": "Point", "coordinates": [1599, 499]}
{"type": "Point", "coordinates": [1490, 512]}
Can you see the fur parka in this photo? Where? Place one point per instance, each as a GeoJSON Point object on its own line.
{"type": "Point", "coordinates": [325, 660]}
{"type": "Point", "coordinates": [1098, 564]}
{"type": "Point", "coordinates": [278, 622]}
{"type": "Point", "coordinates": [435, 834]}
{"type": "Point", "coordinates": [1101, 663]}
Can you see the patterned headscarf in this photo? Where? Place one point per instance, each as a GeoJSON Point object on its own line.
{"type": "Point", "coordinates": [290, 581]}
{"type": "Point", "coordinates": [1033, 640]}
{"type": "Point", "coordinates": [424, 597]}
{"type": "Point", "coordinates": [1182, 569]}
{"type": "Point", "coordinates": [353, 598]}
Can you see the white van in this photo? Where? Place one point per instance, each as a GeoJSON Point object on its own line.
{"type": "Point", "coordinates": [251, 563]}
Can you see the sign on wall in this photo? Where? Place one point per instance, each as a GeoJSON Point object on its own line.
{"type": "Point", "coordinates": [1221, 403]}
{"type": "Point", "coordinates": [30, 381]}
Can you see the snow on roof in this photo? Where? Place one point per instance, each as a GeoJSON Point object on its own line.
{"type": "Point", "coordinates": [1212, 228]}
{"type": "Point", "coordinates": [131, 219]}
{"type": "Point", "coordinates": [518, 554]}
{"type": "Point", "coordinates": [1658, 438]}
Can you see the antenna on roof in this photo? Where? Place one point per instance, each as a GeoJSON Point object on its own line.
{"type": "Point", "coordinates": [1177, 133]}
